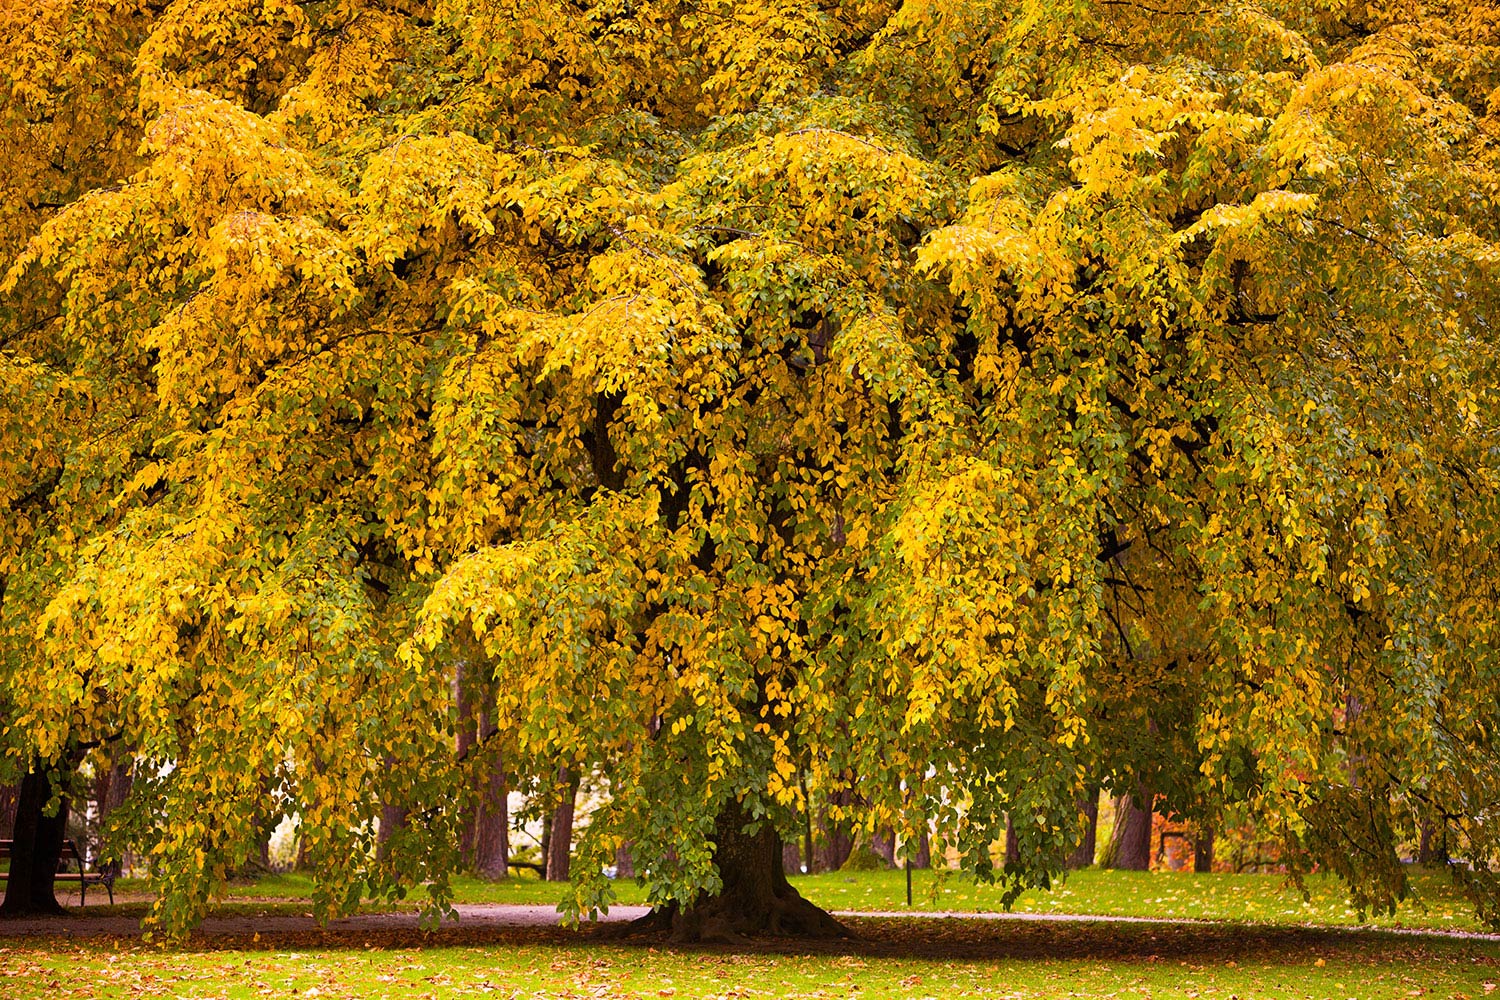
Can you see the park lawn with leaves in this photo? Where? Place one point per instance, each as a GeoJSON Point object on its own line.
{"type": "Point", "coordinates": [1259, 898]}
{"type": "Point", "coordinates": [1252, 898]}
{"type": "Point", "coordinates": [890, 958]}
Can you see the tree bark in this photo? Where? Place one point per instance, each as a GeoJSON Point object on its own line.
{"type": "Point", "coordinates": [1425, 854]}
{"type": "Point", "coordinates": [756, 898]}
{"type": "Point", "coordinates": [883, 843]}
{"type": "Point", "coordinates": [791, 858]}
{"type": "Point", "coordinates": [624, 861]}
{"type": "Point", "coordinates": [1203, 851]}
{"type": "Point", "coordinates": [118, 781]}
{"type": "Point", "coordinates": [464, 697]}
{"type": "Point", "coordinates": [838, 841]}
{"type": "Point", "coordinates": [560, 843]}
{"type": "Point", "coordinates": [922, 856]}
{"type": "Point", "coordinates": [1131, 842]}
{"type": "Point", "coordinates": [1012, 846]}
{"type": "Point", "coordinates": [492, 819]}
{"type": "Point", "coordinates": [36, 847]}
{"type": "Point", "coordinates": [392, 818]}
{"type": "Point", "coordinates": [9, 795]}
{"type": "Point", "coordinates": [1088, 807]}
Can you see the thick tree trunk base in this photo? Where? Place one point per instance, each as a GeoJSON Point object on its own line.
{"type": "Point", "coordinates": [756, 899]}
{"type": "Point", "coordinates": [722, 920]}
{"type": "Point", "coordinates": [35, 849]}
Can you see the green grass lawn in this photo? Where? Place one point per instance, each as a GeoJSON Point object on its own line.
{"type": "Point", "coordinates": [1268, 899]}
{"type": "Point", "coordinates": [892, 958]}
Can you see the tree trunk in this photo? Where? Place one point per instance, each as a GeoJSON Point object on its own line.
{"type": "Point", "coordinates": [838, 841]}
{"type": "Point", "coordinates": [492, 820]}
{"type": "Point", "coordinates": [1131, 841]}
{"type": "Point", "coordinates": [464, 697]}
{"type": "Point", "coordinates": [791, 859]}
{"type": "Point", "coordinates": [1088, 807]}
{"type": "Point", "coordinates": [560, 844]}
{"type": "Point", "coordinates": [116, 791]}
{"type": "Point", "coordinates": [1012, 846]}
{"type": "Point", "coordinates": [883, 843]}
{"type": "Point", "coordinates": [9, 794]}
{"type": "Point", "coordinates": [922, 856]}
{"type": "Point", "coordinates": [1203, 851]}
{"type": "Point", "coordinates": [392, 818]}
{"type": "Point", "coordinates": [1424, 850]}
{"type": "Point", "coordinates": [755, 899]}
{"type": "Point", "coordinates": [624, 861]}
{"type": "Point", "coordinates": [35, 849]}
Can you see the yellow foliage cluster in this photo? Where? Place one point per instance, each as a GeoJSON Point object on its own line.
{"type": "Point", "coordinates": [964, 403]}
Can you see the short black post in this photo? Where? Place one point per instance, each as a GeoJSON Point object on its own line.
{"type": "Point", "coordinates": [908, 883]}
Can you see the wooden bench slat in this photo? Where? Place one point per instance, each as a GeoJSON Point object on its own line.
{"type": "Point", "coordinates": [69, 852]}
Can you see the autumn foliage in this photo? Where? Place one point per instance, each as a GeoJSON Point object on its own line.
{"type": "Point", "coordinates": [966, 402]}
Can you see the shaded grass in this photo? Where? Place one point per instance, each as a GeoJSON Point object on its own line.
{"type": "Point", "coordinates": [892, 958]}
{"type": "Point", "coordinates": [1268, 899]}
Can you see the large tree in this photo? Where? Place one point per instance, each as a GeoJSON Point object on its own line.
{"type": "Point", "coordinates": [986, 400]}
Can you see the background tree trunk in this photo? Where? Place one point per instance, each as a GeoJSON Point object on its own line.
{"type": "Point", "coordinates": [837, 839]}
{"type": "Point", "coordinates": [883, 843]}
{"type": "Point", "coordinates": [791, 859]}
{"type": "Point", "coordinates": [1131, 841]}
{"type": "Point", "coordinates": [9, 795]}
{"type": "Point", "coordinates": [624, 861]}
{"type": "Point", "coordinates": [392, 818]}
{"type": "Point", "coordinates": [492, 822]}
{"type": "Point", "coordinates": [1083, 854]}
{"type": "Point", "coordinates": [1012, 847]}
{"type": "Point", "coordinates": [1427, 851]}
{"type": "Point", "coordinates": [922, 856]}
{"type": "Point", "coordinates": [560, 843]}
{"type": "Point", "coordinates": [1203, 851]}
{"type": "Point", "coordinates": [463, 694]}
{"type": "Point", "coordinates": [117, 783]}
{"type": "Point", "coordinates": [36, 847]}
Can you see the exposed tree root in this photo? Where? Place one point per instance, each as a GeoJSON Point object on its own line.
{"type": "Point", "coordinates": [756, 898]}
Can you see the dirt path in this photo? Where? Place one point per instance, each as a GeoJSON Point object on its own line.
{"type": "Point", "coordinates": [498, 916]}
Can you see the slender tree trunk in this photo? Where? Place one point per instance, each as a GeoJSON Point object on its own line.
{"type": "Point", "coordinates": [464, 697]}
{"type": "Point", "coordinates": [9, 795]}
{"type": "Point", "coordinates": [392, 818]}
{"type": "Point", "coordinates": [1203, 851]}
{"type": "Point", "coordinates": [1012, 846]}
{"type": "Point", "coordinates": [1424, 850]}
{"type": "Point", "coordinates": [883, 843]}
{"type": "Point", "coordinates": [838, 841]}
{"type": "Point", "coordinates": [1088, 807]}
{"type": "Point", "coordinates": [36, 847]}
{"type": "Point", "coordinates": [1131, 841]}
{"type": "Point", "coordinates": [492, 819]}
{"type": "Point", "coordinates": [922, 856]}
{"type": "Point", "coordinates": [755, 899]}
{"type": "Point", "coordinates": [624, 861]}
{"type": "Point", "coordinates": [117, 789]}
{"type": "Point", "coordinates": [560, 844]}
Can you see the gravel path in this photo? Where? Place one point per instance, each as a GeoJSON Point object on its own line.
{"type": "Point", "coordinates": [509, 915]}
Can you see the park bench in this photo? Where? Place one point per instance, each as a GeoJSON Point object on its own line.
{"type": "Point", "coordinates": [105, 876]}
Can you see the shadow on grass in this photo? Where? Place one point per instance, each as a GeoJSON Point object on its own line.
{"type": "Point", "coordinates": [941, 939]}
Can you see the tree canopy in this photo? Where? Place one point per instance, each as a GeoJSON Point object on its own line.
{"type": "Point", "coordinates": [965, 402]}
